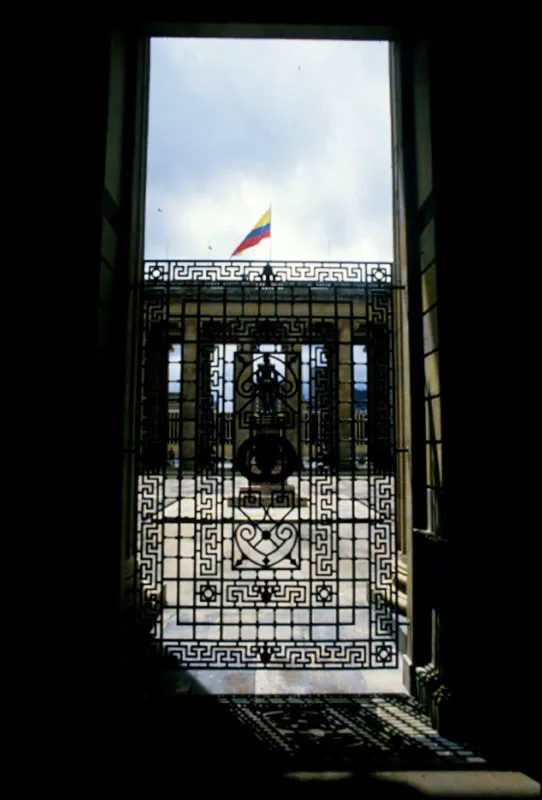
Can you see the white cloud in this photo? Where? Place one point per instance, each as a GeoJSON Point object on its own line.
{"type": "Point", "coordinates": [237, 124]}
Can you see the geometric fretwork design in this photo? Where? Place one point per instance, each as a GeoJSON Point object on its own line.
{"type": "Point", "coordinates": [333, 731]}
{"type": "Point", "coordinates": [266, 533]}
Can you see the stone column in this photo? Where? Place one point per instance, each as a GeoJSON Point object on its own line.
{"type": "Point", "coordinates": [242, 406]}
{"type": "Point", "coordinates": [379, 407]}
{"type": "Point", "coordinates": [292, 433]}
{"type": "Point", "coordinates": [205, 452]}
{"type": "Point", "coordinates": [344, 372]}
{"type": "Point", "coordinates": [189, 397]}
{"type": "Point", "coordinates": [155, 397]}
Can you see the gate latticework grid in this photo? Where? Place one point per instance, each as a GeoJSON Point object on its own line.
{"type": "Point", "coordinates": [266, 534]}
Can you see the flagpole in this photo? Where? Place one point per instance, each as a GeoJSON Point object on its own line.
{"type": "Point", "coordinates": [161, 211]}
{"type": "Point", "coordinates": [269, 231]}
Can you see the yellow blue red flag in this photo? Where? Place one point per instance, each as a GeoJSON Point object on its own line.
{"type": "Point", "coordinates": [262, 230]}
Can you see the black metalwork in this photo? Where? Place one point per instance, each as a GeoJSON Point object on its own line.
{"type": "Point", "coordinates": [323, 271]}
{"type": "Point", "coordinates": [338, 731]}
{"type": "Point", "coordinates": [266, 488]}
{"type": "Point", "coordinates": [266, 458]}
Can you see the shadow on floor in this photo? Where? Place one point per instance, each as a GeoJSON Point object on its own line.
{"type": "Point", "coordinates": [302, 747]}
{"type": "Point", "coordinates": [173, 736]}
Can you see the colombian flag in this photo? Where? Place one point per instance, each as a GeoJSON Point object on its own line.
{"type": "Point", "coordinates": [262, 230]}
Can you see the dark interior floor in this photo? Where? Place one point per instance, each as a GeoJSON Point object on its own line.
{"type": "Point", "coordinates": [301, 746]}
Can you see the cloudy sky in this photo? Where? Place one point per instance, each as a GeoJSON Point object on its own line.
{"type": "Point", "coordinates": [238, 124]}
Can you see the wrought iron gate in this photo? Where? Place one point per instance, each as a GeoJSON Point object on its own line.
{"type": "Point", "coordinates": [266, 534]}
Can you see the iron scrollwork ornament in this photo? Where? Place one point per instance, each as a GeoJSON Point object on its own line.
{"type": "Point", "coordinates": [267, 458]}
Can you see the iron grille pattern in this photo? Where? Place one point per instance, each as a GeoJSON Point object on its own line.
{"type": "Point", "coordinates": [322, 731]}
{"type": "Point", "coordinates": [268, 541]}
{"type": "Point", "coordinates": [326, 272]}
